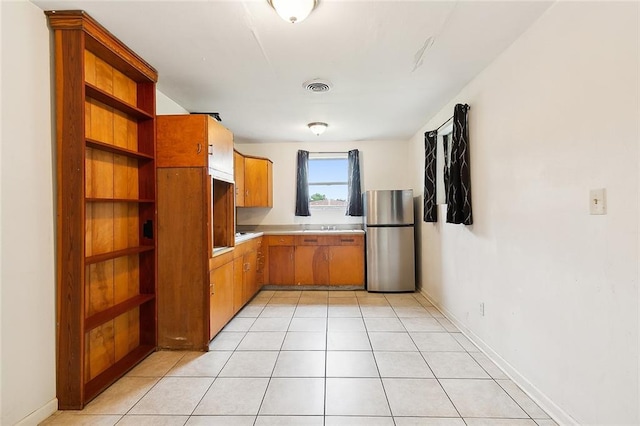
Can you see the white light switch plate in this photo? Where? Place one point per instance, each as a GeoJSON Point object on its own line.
{"type": "Point", "coordinates": [597, 201]}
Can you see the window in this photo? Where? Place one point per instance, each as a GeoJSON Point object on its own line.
{"type": "Point", "coordinates": [328, 178]}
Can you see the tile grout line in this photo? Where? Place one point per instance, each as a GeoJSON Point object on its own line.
{"type": "Point", "coordinates": [266, 389]}
{"type": "Point", "coordinates": [375, 360]}
{"type": "Point", "coordinates": [149, 390]}
{"type": "Point", "coordinates": [326, 356]}
{"type": "Point", "coordinates": [438, 380]}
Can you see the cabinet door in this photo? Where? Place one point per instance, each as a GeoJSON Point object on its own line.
{"type": "Point", "coordinates": [238, 173]}
{"type": "Point", "coordinates": [238, 284]}
{"type": "Point", "coordinates": [260, 264]}
{"type": "Point", "coordinates": [182, 257]}
{"type": "Point", "coordinates": [281, 265]}
{"type": "Point", "coordinates": [312, 265]}
{"type": "Point", "coordinates": [346, 265]}
{"type": "Point", "coordinates": [220, 149]}
{"type": "Point", "coordinates": [257, 182]}
{"type": "Point", "coordinates": [250, 275]}
{"type": "Point", "coordinates": [221, 298]}
{"type": "Point", "coordinates": [182, 140]}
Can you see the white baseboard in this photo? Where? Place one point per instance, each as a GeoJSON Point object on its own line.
{"type": "Point", "coordinates": [40, 414]}
{"type": "Point", "coordinates": [551, 408]}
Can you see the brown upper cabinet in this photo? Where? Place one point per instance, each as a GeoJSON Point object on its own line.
{"type": "Point", "coordinates": [196, 140]}
{"type": "Point", "coordinates": [238, 164]}
{"type": "Point", "coordinates": [255, 175]}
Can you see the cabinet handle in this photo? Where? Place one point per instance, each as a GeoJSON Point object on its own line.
{"type": "Point", "coordinates": [210, 149]}
{"type": "Point", "coordinates": [199, 149]}
{"type": "Point", "coordinates": [212, 289]}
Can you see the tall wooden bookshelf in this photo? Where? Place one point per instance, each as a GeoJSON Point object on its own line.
{"type": "Point", "coordinates": [106, 207]}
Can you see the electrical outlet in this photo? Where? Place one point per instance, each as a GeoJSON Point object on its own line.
{"type": "Point", "coordinates": [481, 309]}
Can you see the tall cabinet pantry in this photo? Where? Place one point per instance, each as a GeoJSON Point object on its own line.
{"type": "Point", "coordinates": [106, 207]}
{"type": "Point", "coordinates": [195, 216]}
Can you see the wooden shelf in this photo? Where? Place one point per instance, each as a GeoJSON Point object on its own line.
{"type": "Point", "coordinates": [108, 99]}
{"type": "Point", "coordinates": [108, 314]}
{"type": "Point", "coordinates": [92, 143]}
{"type": "Point", "coordinates": [115, 254]}
{"type": "Point", "coordinates": [111, 374]}
{"type": "Point", "coordinates": [118, 200]}
{"type": "Point", "coordinates": [105, 99]}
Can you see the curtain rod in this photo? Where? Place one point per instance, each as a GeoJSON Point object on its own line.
{"type": "Point", "coordinates": [448, 120]}
{"type": "Point", "coordinates": [328, 152]}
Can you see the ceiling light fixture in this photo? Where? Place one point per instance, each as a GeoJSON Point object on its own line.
{"type": "Point", "coordinates": [293, 11]}
{"type": "Point", "coordinates": [317, 127]}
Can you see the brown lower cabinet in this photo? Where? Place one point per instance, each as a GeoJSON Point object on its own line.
{"type": "Point", "coordinates": [281, 255]}
{"type": "Point", "coordinates": [346, 265]}
{"type": "Point", "coordinates": [221, 295]}
{"type": "Point", "coordinates": [313, 265]}
{"type": "Point", "coordinates": [245, 273]}
{"type": "Point", "coordinates": [233, 282]}
{"type": "Point", "coordinates": [195, 310]}
{"type": "Point", "coordinates": [316, 259]}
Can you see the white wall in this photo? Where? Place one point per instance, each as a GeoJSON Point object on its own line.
{"type": "Point", "coordinates": [553, 117]}
{"type": "Point", "coordinates": [165, 105]}
{"type": "Point", "coordinates": [383, 165]}
{"type": "Point", "coordinates": [27, 218]}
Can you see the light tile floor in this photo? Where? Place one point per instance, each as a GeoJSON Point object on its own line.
{"type": "Point", "coordinates": [339, 358]}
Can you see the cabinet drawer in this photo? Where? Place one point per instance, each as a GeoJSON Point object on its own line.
{"type": "Point", "coordinates": [349, 240]}
{"type": "Point", "coordinates": [245, 247]}
{"type": "Point", "coordinates": [220, 259]}
{"type": "Point", "coordinates": [315, 240]}
{"type": "Point", "coordinates": [281, 240]}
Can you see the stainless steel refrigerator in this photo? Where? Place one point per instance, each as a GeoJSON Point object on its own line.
{"type": "Point", "coordinates": [389, 224]}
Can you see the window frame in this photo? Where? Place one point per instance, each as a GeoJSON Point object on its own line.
{"type": "Point", "coordinates": [320, 156]}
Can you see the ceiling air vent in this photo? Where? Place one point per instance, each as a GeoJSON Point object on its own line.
{"type": "Point", "coordinates": [317, 86]}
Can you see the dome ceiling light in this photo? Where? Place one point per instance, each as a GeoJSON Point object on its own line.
{"type": "Point", "coordinates": [293, 11]}
{"type": "Point", "coordinates": [317, 127]}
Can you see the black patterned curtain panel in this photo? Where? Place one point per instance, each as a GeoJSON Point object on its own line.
{"type": "Point", "coordinates": [354, 196]}
{"type": "Point", "coordinates": [302, 184]}
{"type": "Point", "coordinates": [445, 172]}
{"type": "Point", "coordinates": [429, 199]}
{"type": "Point", "coordinates": [459, 185]}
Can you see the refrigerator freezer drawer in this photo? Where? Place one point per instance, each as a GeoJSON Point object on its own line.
{"type": "Point", "coordinates": [390, 259]}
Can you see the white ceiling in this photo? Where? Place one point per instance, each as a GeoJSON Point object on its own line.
{"type": "Point", "coordinates": [240, 59]}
